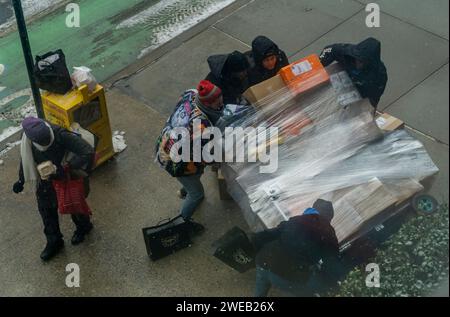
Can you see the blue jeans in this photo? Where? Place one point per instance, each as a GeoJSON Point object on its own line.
{"type": "Point", "coordinates": [265, 279]}
{"type": "Point", "coordinates": [195, 194]}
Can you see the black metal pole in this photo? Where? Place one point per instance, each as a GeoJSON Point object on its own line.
{"type": "Point", "coordinates": [22, 27]}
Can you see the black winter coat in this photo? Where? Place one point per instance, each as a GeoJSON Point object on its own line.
{"type": "Point", "coordinates": [371, 81]}
{"type": "Point", "coordinates": [65, 141]}
{"type": "Point", "coordinates": [293, 250]}
{"type": "Point", "coordinates": [260, 46]}
{"type": "Point", "coordinates": [232, 89]}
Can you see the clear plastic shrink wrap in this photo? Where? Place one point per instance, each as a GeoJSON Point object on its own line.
{"type": "Point", "coordinates": [329, 147]}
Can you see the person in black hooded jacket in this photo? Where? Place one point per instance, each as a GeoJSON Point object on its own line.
{"type": "Point", "coordinates": [229, 72]}
{"type": "Point", "coordinates": [363, 64]}
{"type": "Point", "coordinates": [301, 255]}
{"type": "Point", "coordinates": [266, 59]}
{"type": "Point", "coordinates": [42, 142]}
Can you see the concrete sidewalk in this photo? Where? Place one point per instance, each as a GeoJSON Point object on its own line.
{"type": "Point", "coordinates": [131, 192]}
{"type": "Point", "coordinates": [128, 193]}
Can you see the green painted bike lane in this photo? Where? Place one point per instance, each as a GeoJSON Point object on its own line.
{"type": "Point", "coordinates": [97, 43]}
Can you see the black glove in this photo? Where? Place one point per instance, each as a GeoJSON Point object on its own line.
{"type": "Point", "coordinates": [18, 187]}
{"type": "Point", "coordinates": [59, 174]}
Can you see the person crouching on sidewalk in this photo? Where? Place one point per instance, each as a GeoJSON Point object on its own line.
{"type": "Point", "coordinates": [301, 255]}
{"type": "Point", "coordinates": [43, 142]}
{"type": "Point", "coordinates": [206, 104]}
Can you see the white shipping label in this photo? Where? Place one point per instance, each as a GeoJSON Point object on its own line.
{"type": "Point", "coordinates": [348, 98]}
{"type": "Point", "coordinates": [380, 121]}
{"type": "Point", "coordinates": [300, 68]}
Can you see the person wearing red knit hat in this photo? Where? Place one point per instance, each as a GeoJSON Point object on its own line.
{"type": "Point", "coordinates": [210, 100]}
{"type": "Point", "coordinates": [204, 104]}
{"type": "Point", "coordinates": [209, 94]}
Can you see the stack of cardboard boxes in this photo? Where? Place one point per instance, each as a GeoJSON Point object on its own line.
{"type": "Point", "coordinates": [282, 99]}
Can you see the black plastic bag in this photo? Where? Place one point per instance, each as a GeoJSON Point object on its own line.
{"type": "Point", "coordinates": [167, 238]}
{"type": "Point", "coordinates": [51, 73]}
{"type": "Point", "coordinates": [235, 249]}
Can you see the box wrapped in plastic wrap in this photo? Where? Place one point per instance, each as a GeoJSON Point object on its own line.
{"type": "Point", "coordinates": [329, 147]}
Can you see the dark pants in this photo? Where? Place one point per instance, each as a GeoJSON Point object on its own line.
{"type": "Point", "coordinates": [265, 279]}
{"type": "Point", "coordinates": [48, 209]}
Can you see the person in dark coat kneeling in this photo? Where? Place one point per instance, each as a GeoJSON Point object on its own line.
{"type": "Point", "coordinates": [229, 72]}
{"type": "Point", "coordinates": [299, 256]}
{"type": "Point", "coordinates": [46, 143]}
{"type": "Point", "coordinates": [363, 64]}
{"type": "Point", "coordinates": [266, 60]}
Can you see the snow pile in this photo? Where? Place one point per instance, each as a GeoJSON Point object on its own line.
{"type": "Point", "coordinates": [9, 147]}
{"type": "Point", "coordinates": [170, 18]}
{"type": "Point", "coordinates": [17, 115]}
{"type": "Point", "coordinates": [2, 69]}
{"type": "Point", "coordinates": [144, 16]}
{"type": "Point", "coordinates": [119, 141]}
{"type": "Point", "coordinates": [32, 8]}
{"type": "Point", "coordinates": [164, 35]}
{"type": "Point", "coordinates": [6, 133]}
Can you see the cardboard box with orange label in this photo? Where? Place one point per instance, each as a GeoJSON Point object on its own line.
{"type": "Point", "coordinates": [305, 74]}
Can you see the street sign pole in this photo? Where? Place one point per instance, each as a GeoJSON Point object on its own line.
{"type": "Point", "coordinates": [21, 26]}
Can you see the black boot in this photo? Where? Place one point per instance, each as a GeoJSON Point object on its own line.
{"type": "Point", "coordinates": [79, 234]}
{"type": "Point", "coordinates": [52, 249]}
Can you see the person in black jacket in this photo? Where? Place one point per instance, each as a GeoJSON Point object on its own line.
{"type": "Point", "coordinates": [363, 64]}
{"type": "Point", "coordinates": [266, 59]}
{"type": "Point", "coordinates": [230, 74]}
{"type": "Point", "coordinates": [42, 142]}
{"type": "Point", "coordinates": [299, 256]}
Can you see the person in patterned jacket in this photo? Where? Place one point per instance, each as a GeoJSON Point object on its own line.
{"type": "Point", "coordinates": [203, 105]}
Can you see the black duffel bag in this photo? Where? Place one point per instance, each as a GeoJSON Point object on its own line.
{"type": "Point", "coordinates": [167, 238]}
{"type": "Point", "coordinates": [51, 73]}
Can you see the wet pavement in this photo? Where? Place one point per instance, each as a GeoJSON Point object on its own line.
{"type": "Point", "coordinates": [127, 194]}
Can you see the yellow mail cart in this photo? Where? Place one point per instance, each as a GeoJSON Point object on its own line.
{"type": "Point", "coordinates": [86, 108]}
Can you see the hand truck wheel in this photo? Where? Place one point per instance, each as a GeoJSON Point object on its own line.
{"type": "Point", "coordinates": [424, 204]}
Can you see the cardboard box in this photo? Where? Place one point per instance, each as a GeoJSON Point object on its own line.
{"type": "Point", "coordinates": [264, 89]}
{"type": "Point", "coordinates": [386, 122]}
{"type": "Point", "coordinates": [304, 74]}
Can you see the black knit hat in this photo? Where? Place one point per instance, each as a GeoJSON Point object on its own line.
{"type": "Point", "coordinates": [325, 208]}
{"type": "Point", "coordinates": [236, 63]}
